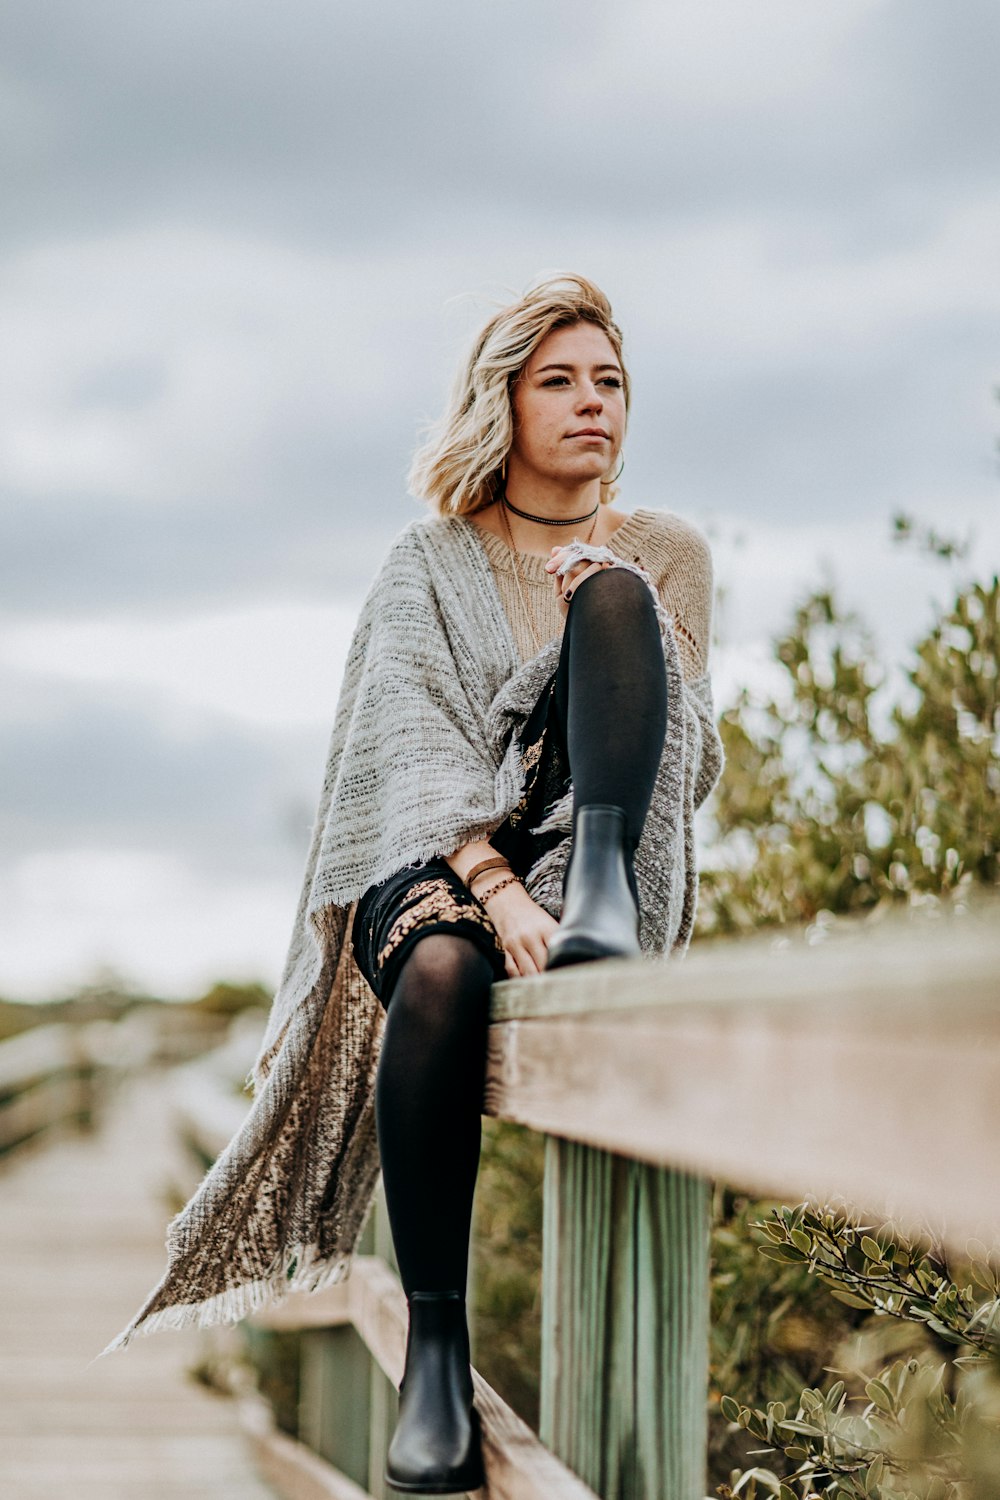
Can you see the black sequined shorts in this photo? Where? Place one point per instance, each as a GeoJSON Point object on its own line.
{"type": "Point", "coordinates": [420, 899]}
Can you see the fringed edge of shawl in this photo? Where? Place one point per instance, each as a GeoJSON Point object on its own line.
{"type": "Point", "coordinates": [312, 1274]}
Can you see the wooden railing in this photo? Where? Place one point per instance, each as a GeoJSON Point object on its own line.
{"type": "Point", "coordinates": [48, 1082]}
{"type": "Point", "coordinates": [861, 1063]}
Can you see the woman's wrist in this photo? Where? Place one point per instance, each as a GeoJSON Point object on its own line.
{"type": "Point", "coordinates": [466, 858]}
{"type": "Point", "coordinates": [486, 871]}
{"type": "Point", "coordinates": [498, 885]}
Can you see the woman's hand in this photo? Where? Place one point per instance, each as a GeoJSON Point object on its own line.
{"type": "Point", "coordinates": [571, 580]}
{"type": "Point", "coordinates": [523, 927]}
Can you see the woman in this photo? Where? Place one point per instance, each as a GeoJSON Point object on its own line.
{"type": "Point", "coordinates": [523, 735]}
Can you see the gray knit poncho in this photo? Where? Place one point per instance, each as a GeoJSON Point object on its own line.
{"type": "Point", "coordinates": [423, 758]}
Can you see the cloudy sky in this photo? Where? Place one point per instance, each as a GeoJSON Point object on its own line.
{"type": "Point", "coordinates": [241, 247]}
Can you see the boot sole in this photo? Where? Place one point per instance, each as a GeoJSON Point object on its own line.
{"type": "Point", "coordinates": [580, 951]}
{"type": "Point", "coordinates": [458, 1486]}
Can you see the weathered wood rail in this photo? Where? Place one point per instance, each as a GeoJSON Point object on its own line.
{"type": "Point", "coordinates": [864, 1067]}
{"type": "Point", "coordinates": [48, 1077]}
{"type": "Point", "coordinates": [55, 1077]}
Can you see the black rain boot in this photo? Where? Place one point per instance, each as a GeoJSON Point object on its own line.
{"type": "Point", "coordinates": [600, 914]}
{"type": "Point", "coordinates": [436, 1448]}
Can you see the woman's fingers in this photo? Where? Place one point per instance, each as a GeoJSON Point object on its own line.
{"type": "Point", "coordinates": [565, 587]}
{"type": "Point", "coordinates": [570, 588]}
{"type": "Point", "coordinates": [526, 961]}
{"type": "Point", "coordinates": [526, 943]}
{"type": "Point", "coordinates": [523, 958]}
{"type": "Point", "coordinates": [531, 953]}
{"type": "Point", "coordinates": [539, 954]}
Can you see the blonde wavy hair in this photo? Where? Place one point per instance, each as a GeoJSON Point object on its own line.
{"type": "Point", "coordinates": [459, 468]}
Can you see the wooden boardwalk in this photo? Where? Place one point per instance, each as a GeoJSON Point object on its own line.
{"type": "Point", "coordinates": [81, 1242]}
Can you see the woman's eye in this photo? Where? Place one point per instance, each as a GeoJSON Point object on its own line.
{"type": "Point", "coordinates": [555, 380]}
{"type": "Point", "coordinates": [612, 380]}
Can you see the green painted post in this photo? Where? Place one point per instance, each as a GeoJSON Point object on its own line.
{"type": "Point", "coordinates": [384, 1415]}
{"type": "Point", "coordinates": [347, 1407]}
{"type": "Point", "coordinates": [625, 1309]}
{"type": "Point", "coordinates": [384, 1396]}
{"type": "Point", "coordinates": [335, 1398]}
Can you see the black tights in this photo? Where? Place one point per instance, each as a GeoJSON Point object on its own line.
{"type": "Point", "coordinates": [611, 707]}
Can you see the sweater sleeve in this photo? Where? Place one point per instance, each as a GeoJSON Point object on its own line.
{"type": "Point", "coordinates": [409, 771]}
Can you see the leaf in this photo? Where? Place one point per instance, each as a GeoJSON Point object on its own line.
{"type": "Point", "coordinates": [983, 1275]}
{"type": "Point", "coordinates": [871, 1247]}
{"type": "Point", "coordinates": [730, 1409]}
{"type": "Point", "coordinates": [801, 1240]}
{"type": "Point", "coordinates": [880, 1396]}
{"type": "Point", "coordinates": [849, 1298]}
{"type": "Point", "coordinates": [873, 1475]}
{"type": "Point", "coordinates": [786, 1254]}
{"type": "Point", "coordinates": [773, 1231]}
{"type": "Point", "coordinates": [944, 1332]}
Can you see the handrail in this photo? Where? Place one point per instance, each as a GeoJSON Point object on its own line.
{"type": "Point", "coordinates": [858, 1064]}
{"type": "Point", "coordinates": [47, 1081]}
{"type": "Point", "coordinates": [864, 1067]}
{"type": "Point", "coordinates": [371, 1302]}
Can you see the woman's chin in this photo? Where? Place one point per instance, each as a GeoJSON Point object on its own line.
{"type": "Point", "coordinates": [580, 472]}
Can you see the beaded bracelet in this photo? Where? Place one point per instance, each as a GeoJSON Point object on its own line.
{"type": "Point", "coordinates": [510, 880]}
{"type": "Point", "coordinates": [496, 863]}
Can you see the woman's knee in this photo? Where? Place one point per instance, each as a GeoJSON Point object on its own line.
{"type": "Point", "coordinates": [444, 976]}
{"type": "Point", "coordinates": [613, 587]}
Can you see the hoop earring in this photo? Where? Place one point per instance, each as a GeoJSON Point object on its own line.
{"type": "Point", "coordinates": [503, 470]}
{"type": "Point", "coordinates": [615, 477]}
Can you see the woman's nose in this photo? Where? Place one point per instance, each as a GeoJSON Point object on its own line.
{"type": "Point", "coordinates": [589, 398]}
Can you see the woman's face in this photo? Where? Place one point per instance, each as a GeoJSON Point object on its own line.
{"type": "Point", "coordinates": [569, 408]}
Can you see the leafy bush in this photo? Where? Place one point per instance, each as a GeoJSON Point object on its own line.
{"type": "Point", "coordinates": [924, 1426]}
{"type": "Point", "coordinates": [822, 810]}
{"type": "Point", "coordinates": [836, 802]}
{"type": "Point", "coordinates": [507, 1266]}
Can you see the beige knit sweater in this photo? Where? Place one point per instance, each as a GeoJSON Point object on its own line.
{"type": "Point", "coordinates": [674, 552]}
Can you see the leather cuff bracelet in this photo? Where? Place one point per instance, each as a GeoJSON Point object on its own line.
{"type": "Point", "coordinates": [496, 863]}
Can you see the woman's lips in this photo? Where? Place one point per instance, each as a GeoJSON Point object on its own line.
{"type": "Point", "coordinates": [592, 433]}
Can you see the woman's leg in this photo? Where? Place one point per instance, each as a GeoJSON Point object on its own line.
{"type": "Point", "coordinates": [611, 695]}
{"type": "Point", "coordinates": [610, 699]}
{"type": "Point", "coordinates": [428, 1102]}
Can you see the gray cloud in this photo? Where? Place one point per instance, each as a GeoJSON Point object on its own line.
{"type": "Point", "coordinates": [433, 146]}
{"type": "Point", "coordinates": [340, 123]}
{"type": "Point", "coordinates": [78, 553]}
{"type": "Point", "coordinates": [102, 767]}
{"type": "Point", "coordinates": [230, 237]}
{"type": "Point", "coordinates": [817, 440]}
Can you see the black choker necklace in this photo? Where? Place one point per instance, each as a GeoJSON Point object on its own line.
{"type": "Point", "coordinates": [550, 520]}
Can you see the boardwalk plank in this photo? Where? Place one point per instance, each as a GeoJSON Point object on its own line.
{"type": "Point", "coordinates": [82, 1227]}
